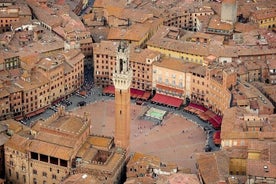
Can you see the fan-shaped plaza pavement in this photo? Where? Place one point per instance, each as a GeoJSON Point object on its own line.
{"type": "Point", "coordinates": [175, 141]}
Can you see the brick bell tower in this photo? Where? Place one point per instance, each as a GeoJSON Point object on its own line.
{"type": "Point", "coordinates": [122, 77]}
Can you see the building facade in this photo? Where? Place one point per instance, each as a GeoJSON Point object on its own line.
{"type": "Point", "coordinates": [27, 92]}
{"type": "Point", "coordinates": [265, 18]}
{"type": "Point", "coordinates": [8, 15]}
{"type": "Point", "coordinates": [140, 60]}
{"type": "Point", "coordinates": [38, 155]}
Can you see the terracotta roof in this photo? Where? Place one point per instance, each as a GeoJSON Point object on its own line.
{"type": "Point", "coordinates": [240, 27]}
{"type": "Point", "coordinates": [81, 178]}
{"type": "Point", "coordinates": [216, 163]}
{"type": "Point", "coordinates": [103, 142]}
{"type": "Point", "coordinates": [69, 124]}
{"type": "Point", "coordinates": [87, 153]}
{"type": "Point", "coordinates": [49, 63]}
{"type": "Point", "coordinates": [229, 1]}
{"type": "Point", "coordinates": [237, 152]}
{"type": "Point", "coordinates": [136, 55]}
{"type": "Point", "coordinates": [56, 138]}
{"type": "Point", "coordinates": [180, 178]}
{"type": "Point", "coordinates": [135, 32]}
{"type": "Point", "coordinates": [260, 168]}
{"type": "Point", "coordinates": [141, 55]}
{"type": "Point", "coordinates": [67, 68]}
{"type": "Point", "coordinates": [216, 48]}
{"type": "Point", "coordinates": [31, 59]}
{"type": "Point", "coordinates": [272, 64]}
{"type": "Point", "coordinates": [13, 125]}
{"type": "Point", "coordinates": [18, 142]}
{"type": "Point", "coordinates": [106, 3]}
{"type": "Point", "coordinates": [267, 89]}
{"type": "Point", "coordinates": [234, 127]}
{"type": "Point", "coordinates": [3, 138]}
{"type": "Point", "coordinates": [73, 56]}
{"type": "Point", "coordinates": [144, 180]}
{"type": "Point", "coordinates": [105, 47]}
{"type": "Point", "coordinates": [48, 16]}
{"type": "Point", "coordinates": [272, 152]}
{"type": "Point", "coordinates": [139, 158]}
{"type": "Point", "coordinates": [110, 167]}
{"type": "Point", "coordinates": [53, 150]}
{"type": "Point", "coordinates": [264, 14]}
{"type": "Point", "coordinates": [201, 70]}
{"type": "Point", "coordinates": [245, 91]}
{"type": "Point", "coordinates": [4, 93]}
{"type": "Point", "coordinates": [36, 80]}
{"type": "Point", "coordinates": [99, 33]}
{"type": "Point", "coordinates": [252, 66]}
{"type": "Point", "coordinates": [134, 15]}
{"type": "Point", "coordinates": [215, 23]}
{"type": "Point", "coordinates": [176, 64]}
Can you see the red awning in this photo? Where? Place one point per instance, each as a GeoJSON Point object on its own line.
{"type": "Point", "coordinates": [109, 90]}
{"type": "Point", "coordinates": [218, 119]}
{"type": "Point", "coordinates": [39, 111]}
{"type": "Point", "coordinates": [136, 93]}
{"type": "Point", "coordinates": [216, 137]}
{"type": "Point", "coordinates": [145, 96]}
{"type": "Point", "coordinates": [198, 107]}
{"type": "Point", "coordinates": [215, 123]}
{"type": "Point", "coordinates": [83, 92]}
{"type": "Point", "coordinates": [167, 100]}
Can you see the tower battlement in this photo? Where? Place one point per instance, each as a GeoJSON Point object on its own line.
{"type": "Point", "coordinates": [122, 74]}
{"type": "Point", "coordinates": [122, 80]}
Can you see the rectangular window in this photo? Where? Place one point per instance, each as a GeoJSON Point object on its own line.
{"type": "Point", "coordinates": [43, 158]}
{"type": "Point", "coordinates": [34, 171]}
{"type": "Point", "coordinates": [63, 163]}
{"type": "Point", "coordinates": [44, 174]}
{"type": "Point", "coordinates": [34, 156]}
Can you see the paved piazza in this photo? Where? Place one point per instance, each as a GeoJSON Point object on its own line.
{"type": "Point", "coordinates": [176, 141]}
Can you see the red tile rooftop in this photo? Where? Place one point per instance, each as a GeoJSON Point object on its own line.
{"type": "Point", "coordinates": [264, 14]}
{"type": "Point", "coordinates": [261, 168]}
{"type": "Point", "coordinates": [180, 178]}
{"type": "Point", "coordinates": [215, 23]}
{"type": "Point", "coordinates": [229, 1]}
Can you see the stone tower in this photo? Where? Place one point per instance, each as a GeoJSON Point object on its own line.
{"type": "Point", "coordinates": [229, 10]}
{"type": "Point", "coordinates": [122, 77]}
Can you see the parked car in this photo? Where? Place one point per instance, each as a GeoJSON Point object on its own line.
{"type": "Point", "coordinates": [81, 103]}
